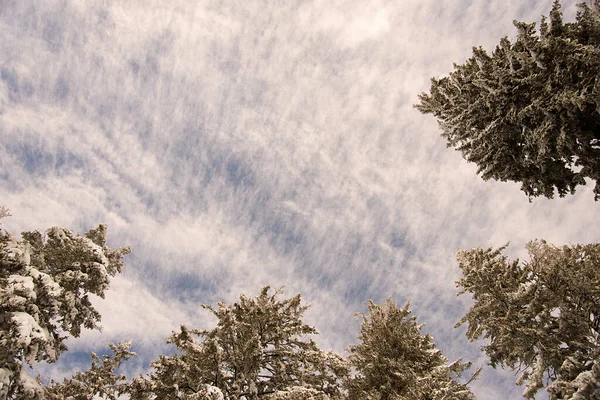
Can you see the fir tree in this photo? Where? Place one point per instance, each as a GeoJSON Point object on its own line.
{"type": "Point", "coordinates": [540, 317]}
{"type": "Point", "coordinates": [530, 111]}
{"type": "Point", "coordinates": [259, 349]}
{"type": "Point", "coordinates": [394, 361]}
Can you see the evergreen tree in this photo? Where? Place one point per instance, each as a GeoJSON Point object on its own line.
{"type": "Point", "coordinates": [530, 112]}
{"type": "Point", "coordinates": [540, 317]}
{"type": "Point", "coordinates": [259, 349]}
{"type": "Point", "coordinates": [100, 381]}
{"type": "Point", "coordinates": [45, 283]}
{"type": "Point", "coordinates": [394, 361]}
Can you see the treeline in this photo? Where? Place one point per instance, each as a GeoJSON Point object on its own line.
{"type": "Point", "coordinates": [541, 317]}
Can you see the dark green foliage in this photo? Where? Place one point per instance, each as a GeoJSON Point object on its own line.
{"type": "Point", "coordinates": [530, 112]}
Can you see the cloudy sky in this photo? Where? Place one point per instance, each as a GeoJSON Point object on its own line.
{"type": "Point", "coordinates": [238, 144]}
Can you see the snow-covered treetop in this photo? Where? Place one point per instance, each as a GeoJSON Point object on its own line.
{"type": "Point", "coordinates": [45, 283]}
{"type": "Point", "coordinates": [394, 361]}
{"type": "Point", "coordinates": [259, 347]}
{"type": "Point", "coordinates": [530, 111]}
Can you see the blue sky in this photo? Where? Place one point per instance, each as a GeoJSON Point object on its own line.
{"type": "Point", "coordinates": [238, 144]}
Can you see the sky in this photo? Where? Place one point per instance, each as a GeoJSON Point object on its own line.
{"type": "Point", "coordinates": [235, 145]}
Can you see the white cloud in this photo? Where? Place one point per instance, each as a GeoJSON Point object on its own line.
{"type": "Point", "coordinates": [351, 25]}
